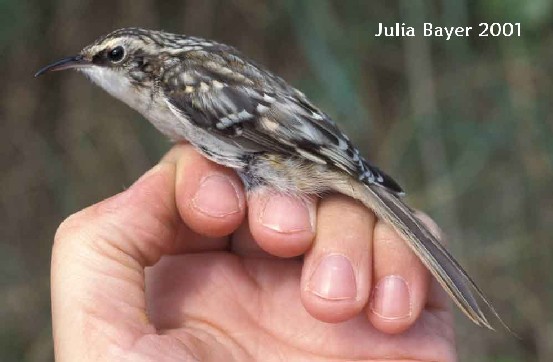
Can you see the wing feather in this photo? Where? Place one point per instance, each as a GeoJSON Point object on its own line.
{"type": "Point", "coordinates": [275, 120]}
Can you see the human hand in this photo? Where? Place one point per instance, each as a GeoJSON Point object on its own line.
{"type": "Point", "coordinates": [232, 298]}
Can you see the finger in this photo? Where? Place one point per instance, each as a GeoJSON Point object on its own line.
{"type": "Point", "coordinates": [98, 262]}
{"type": "Point", "coordinates": [210, 198]}
{"type": "Point", "coordinates": [401, 282]}
{"type": "Point", "coordinates": [243, 244]}
{"type": "Point", "coordinates": [282, 225]}
{"type": "Point", "coordinates": [336, 274]}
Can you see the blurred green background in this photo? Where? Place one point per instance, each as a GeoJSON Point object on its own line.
{"type": "Point", "coordinates": [466, 125]}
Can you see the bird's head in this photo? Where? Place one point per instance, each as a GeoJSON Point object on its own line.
{"type": "Point", "coordinates": [122, 50]}
{"type": "Point", "coordinates": [126, 62]}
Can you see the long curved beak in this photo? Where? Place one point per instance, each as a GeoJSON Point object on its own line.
{"type": "Point", "coordinates": [77, 61]}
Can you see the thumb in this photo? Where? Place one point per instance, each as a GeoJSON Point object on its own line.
{"type": "Point", "coordinates": [98, 260]}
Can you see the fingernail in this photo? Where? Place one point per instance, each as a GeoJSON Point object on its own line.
{"type": "Point", "coordinates": [286, 214]}
{"type": "Point", "coordinates": [217, 196]}
{"type": "Point", "coordinates": [391, 298]}
{"type": "Point", "coordinates": [333, 279]}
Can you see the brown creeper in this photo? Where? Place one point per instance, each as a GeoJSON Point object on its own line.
{"type": "Point", "coordinates": [240, 115]}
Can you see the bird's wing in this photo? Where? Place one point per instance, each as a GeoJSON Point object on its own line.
{"type": "Point", "coordinates": [279, 119]}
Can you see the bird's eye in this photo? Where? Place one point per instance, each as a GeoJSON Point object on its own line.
{"type": "Point", "coordinates": [116, 54]}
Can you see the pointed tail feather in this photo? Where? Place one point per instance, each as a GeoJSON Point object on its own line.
{"type": "Point", "coordinates": [464, 292]}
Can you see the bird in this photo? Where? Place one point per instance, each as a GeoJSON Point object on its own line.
{"type": "Point", "coordinates": [240, 115]}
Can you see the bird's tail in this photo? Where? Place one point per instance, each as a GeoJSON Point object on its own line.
{"type": "Point", "coordinates": [464, 292]}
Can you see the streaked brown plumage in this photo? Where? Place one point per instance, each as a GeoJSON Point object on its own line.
{"type": "Point", "coordinates": [242, 116]}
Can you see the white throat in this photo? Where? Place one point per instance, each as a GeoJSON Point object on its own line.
{"type": "Point", "coordinates": [120, 87]}
{"type": "Point", "coordinates": [153, 107]}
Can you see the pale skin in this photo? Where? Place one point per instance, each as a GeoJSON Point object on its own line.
{"type": "Point", "coordinates": [181, 266]}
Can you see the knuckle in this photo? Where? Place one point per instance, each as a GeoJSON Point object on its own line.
{"type": "Point", "coordinates": [179, 150]}
{"type": "Point", "coordinates": [73, 227]}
